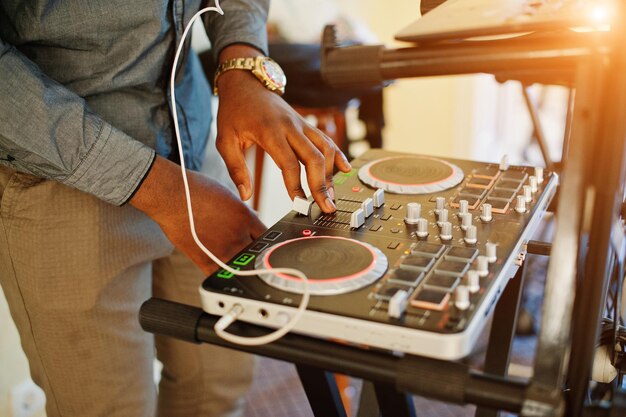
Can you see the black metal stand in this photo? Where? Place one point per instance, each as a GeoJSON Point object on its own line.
{"type": "Point", "coordinates": [393, 378]}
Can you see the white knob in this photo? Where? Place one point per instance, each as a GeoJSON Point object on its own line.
{"type": "Point", "coordinates": [443, 217]}
{"type": "Point", "coordinates": [504, 163]}
{"type": "Point", "coordinates": [483, 266]}
{"type": "Point", "coordinates": [528, 195]}
{"type": "Point", "coordinates": [470, 235]}
{"type": "Point", "coordinates": [379, 198]}
{"type": "Point", "coordinates": [463, 206]}
{"type": "Point", "coordinates": [397, 304]}
{"type": "Point", "coordinates": [539, 174]}
{"type": "Point", "coordinates": [422, 228]}
{"type": "Point", "coordinates": [461, 297]}
{"type": "Point", "coordinates": [532, 180]}
{"type": "Point", "coordinates": [520, 204]}
{"type": "Point", "coordinates": [491, 250]}
{"type": "Point", "coordinates": [473, 281]}
{"type": "Point", "coordinates": [357, 218]}
{"type": "Point", "coordinates": [466, 221]}
{"type": "Point", "coordinates": [368, 207]}
{"type": "Point", "coordinates": [302, 205]}
{"type": "Point", "coordinates": [446, 231]}
{"type": "Point", "coordinates": [486, 213]}
{"type": "Point", "coordinates": [413, 213]}
{"type": "Point", "coordinates": [440, 203]}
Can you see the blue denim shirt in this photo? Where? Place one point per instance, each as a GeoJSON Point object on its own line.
{"type": "Point", "coordinates": [84, 86]}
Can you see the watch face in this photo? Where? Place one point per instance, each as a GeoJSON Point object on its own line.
{"type": "Point", "coordinates": [273, 71]}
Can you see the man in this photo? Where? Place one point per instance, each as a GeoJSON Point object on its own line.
{"type": "Point", "coordinates": [88, 209]}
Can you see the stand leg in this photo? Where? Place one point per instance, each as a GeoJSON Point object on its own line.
{"type": "Point", "coordinates": [393, 403]}
{"type": "Point", "coordinates": [321, 390]}
{"type": "Point", "coordinates": [503, 332]}
{"type": "Point", "coordinates": [368, 405]}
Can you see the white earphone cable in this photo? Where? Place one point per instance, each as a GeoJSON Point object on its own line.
{"type": "Point", "coordinates": [237, 309]}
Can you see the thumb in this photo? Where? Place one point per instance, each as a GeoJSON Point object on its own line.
{"type": "Point", "coordinates": [236, 163]}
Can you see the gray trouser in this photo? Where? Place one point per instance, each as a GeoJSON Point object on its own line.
{"type": "Point", "coordinates": [75, 271]}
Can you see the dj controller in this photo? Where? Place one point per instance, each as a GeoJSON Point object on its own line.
{"type": "Point", "coordinates": [413, 260]}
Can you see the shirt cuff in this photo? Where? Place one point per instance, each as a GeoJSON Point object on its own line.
{"type": "Point", "coordinates": [114, 167]}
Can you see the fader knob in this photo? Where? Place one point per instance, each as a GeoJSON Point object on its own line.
{"type": "Point", "coordinates": [483, 266]}
{"type": "Point", "coordinates": [473, 281]}
{"type": "Point", "coordinates": [398, 304]}
{"type": "Point", "coordinates": [466, 221]}
{"type": "Point", "coordinates": [357, 219]}
{"type": "Point", "coordinates": [422, 228]}
{"type": "Point", "coordinates": [470, 235]}
{"type": "Point", "coordinates": [504, 163]}
{"type": "Point", "coordinates": [446, 231]}
{"type": "Point", "coordinates": [539, 174]}
{"type": "Point", "coordinates": [520, 204]}
{"type": "Point", "coordinates": [461, 297]}
{"type": "Point", "coordinates": [443, 217]}
{"type": "Point", "coordinates": [528, 195]}
{"type": "Point", "coordinates": [534, 187]}
{"type": "Point", "coordinates": [379, 198]}
{"type": "Point", "coordinates": [463, 206]}
{"type": "Point", "coordinates": [413, 213]}
{"type": "Point", "coordinates": [368, 207]}
{"type": "Point", "coordinates": [491, 252]}
{"type": "Point", "coordinates": [440, 203]}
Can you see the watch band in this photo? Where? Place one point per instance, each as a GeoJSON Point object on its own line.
{"type": "Point", "coordinates": [231, 64]}
{"type": "Point", "coordinates": [266, 70]}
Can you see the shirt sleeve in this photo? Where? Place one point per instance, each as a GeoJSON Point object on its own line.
{"type": "Point", "coordinates": [49, 131]}
{"type": "Point", "coordinates": [243, 22]}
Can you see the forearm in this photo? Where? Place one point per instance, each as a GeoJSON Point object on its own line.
{"type": "Point", "coordinates": [47, 130]}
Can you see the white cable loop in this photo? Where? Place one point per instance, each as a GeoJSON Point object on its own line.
{"type": "Point", "coordinates": [235, 312]}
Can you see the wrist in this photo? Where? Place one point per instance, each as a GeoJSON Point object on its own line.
{"type": "Point", "coordinates": [163, 179]}
{"type": "Point", "coordinates": [238, 50]}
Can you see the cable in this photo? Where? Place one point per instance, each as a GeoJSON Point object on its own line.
{"type": "Point", "coordinates": [237, 310]}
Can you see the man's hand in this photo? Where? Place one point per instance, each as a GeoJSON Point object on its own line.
{"type": "Point", "coordinates": [223, 223]}
{"type": "Point", "coordinates": [251, 114]}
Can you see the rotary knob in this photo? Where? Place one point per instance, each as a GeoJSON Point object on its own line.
{"type": "Point", "coordinates": [440, 203]}
{"type": "Point", "coordinates": [473, 281]}
{"type": "Point", "coordinates": [422, 228]}
{"type": "Point", "coordinates": [466, 221]}
{"type": "Point", "coordinates": [491, 252]}
{"type": "Point", "coordinates": [482, 266]}
{"type": "Point", "coordinates": [470, 235]}
{"type": "Point", "coordinates": [486, 213]}
{"type": "Point", "coordinates": [446, 231]}
{"type": "Point", "coordinates": [443, 217]}
{"type": "Point", "coordinates": [463, 207]}
{"type": "Point", "coordinates": [520, 204]}
{"type": "Point", "coordinates": [534, 187]}
{"type": "Point", "coordinates": [528, 194]}
{"type": "Point", "coordinates": [461, 297]}
{"type": "Point", "coordinates": [539, 174]}
{"type": "Point", "coordinates": [413, 213]}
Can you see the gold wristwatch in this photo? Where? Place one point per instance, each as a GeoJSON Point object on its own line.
{"type": "Point", "coordinates": [264, 68]}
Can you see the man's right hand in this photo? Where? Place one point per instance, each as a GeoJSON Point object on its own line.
{"type": "Point", "coordinates": [223, 223]}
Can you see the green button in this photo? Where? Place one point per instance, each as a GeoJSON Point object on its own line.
{"type": "Point", "coordinates": [244, 259]}
{"type": "Point", "coordinates": [340, 179]}
{"type": "Point", "coordinates": [226, 274]}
